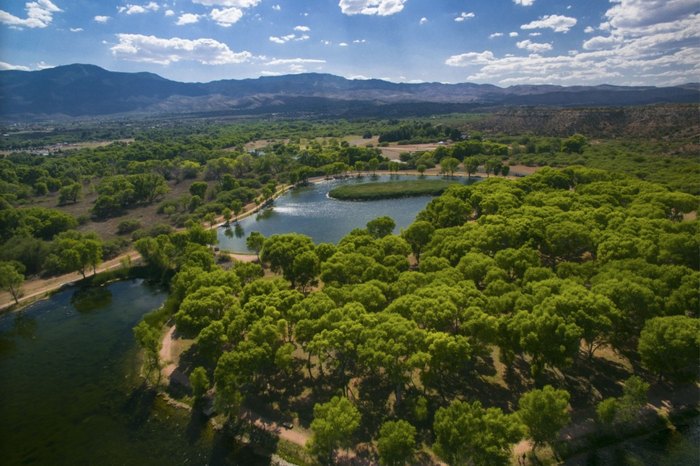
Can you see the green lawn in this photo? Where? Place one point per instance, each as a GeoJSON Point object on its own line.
{"type": "Point", "coordinates": [390, 189]}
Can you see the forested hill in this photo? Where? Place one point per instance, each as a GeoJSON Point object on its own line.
{"type": "Point", "coordinates": [87, 90]}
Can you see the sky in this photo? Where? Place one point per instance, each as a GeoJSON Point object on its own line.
{"type": "Point", "coordinates": [501, 42]}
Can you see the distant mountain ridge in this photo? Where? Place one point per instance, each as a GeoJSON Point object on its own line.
{"type": "Point", "coordinates": [81, 90]}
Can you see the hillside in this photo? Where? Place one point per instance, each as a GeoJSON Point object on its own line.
{"type": "Point", "coordinates": [87, 90]}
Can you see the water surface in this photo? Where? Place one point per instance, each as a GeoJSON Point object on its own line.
{"type": "Point", "coordinates": [70, 392]}
{"type": "Point", "coordinates": [310, 211]}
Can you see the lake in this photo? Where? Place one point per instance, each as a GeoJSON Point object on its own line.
{"type": "Point", "coordinates": [71, 394]}
{"type": "Point", "coordinates": [308, 210]}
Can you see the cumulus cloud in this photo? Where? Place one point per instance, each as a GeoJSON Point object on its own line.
{"type": "Point", "coordinates": [131, 9]}
{"type": "Point", "coordinates": [276, 7]}
{"type": "Point", "coordinates": [423, 20]}
{"type": "Point", "coordinates": [76, 29]}
{"type": "Point", "coordinates": [589, 29]}
{"type": "Point", "coordinates": [187, 18]}
{"type": "Point", "coordinates": [533, 47]}
{"type": "Point", "coordinates": [359, 41]}
{"type": "Point", "coordinates": [471, 58]}
{"type": "Point", "coordinates": [524, 2]}
{"type": "Point", "coordinates": [343, 44]}
{"type": "Point", "coordinates": [101, 19]}
{"type": "Point", "coordinates": [464, 16]}
{"type": "Point", "coordinates": [371, 7]}
{"type": "Point", "coordinates": [658, 46]}
{"type": "Point", "coordinates": [558, 23]}
{"type": "Point", "coordinates": [8, 66]}
{"type": "Point", "coordinates": [302, 28]}
{"type": "Point", "coordinates": [512, 34]}
{"type": "Point", "coordinates": [228, 3]}
{"type": "Point", "coordinates": [162, 51]}
{"type": "Point", "coordinates": [289, 38]}
{"type": "Point", "coordinates": [495, 34]}
{"type": "Point", "coordinates": [169, 13]}
{"type": "Point", "coordinates": [226, 16]}
{"type": "Point", "coordinates": [39, 15]}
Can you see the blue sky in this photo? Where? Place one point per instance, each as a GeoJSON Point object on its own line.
{"type": "Point", "coordinates": [502, 42]}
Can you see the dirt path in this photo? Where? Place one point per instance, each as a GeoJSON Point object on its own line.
{"type": "Point", "coordinates": [38, 288]}
{"type": "Point", "coordinates": [166, 356]}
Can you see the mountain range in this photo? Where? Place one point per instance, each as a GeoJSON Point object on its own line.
{"type": "Point", "coordinates": [81, 90]}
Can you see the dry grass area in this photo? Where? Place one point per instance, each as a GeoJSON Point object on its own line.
{"type": "Point", "coordinates": [107, 228]}
{"type": "Point", "coordinates": [393, 151]}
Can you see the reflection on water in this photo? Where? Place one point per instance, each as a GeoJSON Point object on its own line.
{"type": "Point", "coordinates": [71, 395]}
{"type": "Point", "coordinates": [310, 211]}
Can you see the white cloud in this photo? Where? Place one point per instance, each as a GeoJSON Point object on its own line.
{"type": "Point", "coordinates": [470, 58]}
{"type": "Point", "coordinates": [76, 29]}
{"type": "Point", "coordinates": [659, 47]}
{"type": "Point", "coordinates": [187, 18]}
{"type": "Point", "coordinates": [276, 7]}
{"type": "Point", "coordinates": [8, 66]}
{"type": "Point", "coordinates": [131, 9]}
{"type": "Point", "coordinates": [343, 44]}
{"type": "Point", "coordinates": [294, 61]}
{"type": "Point", "coordinates": [288, 38]}
{"type": "Point", "coordinates": [589, 29]}
{"type": "Point", "coordinates": [535, 34]}
{"type": "Point", "coordinates": [371, 7]}
{"type": "Point", "coordinates": [169, 13]}
{"type": "Point", "coordinates": [359, 41]}
{"type": "Point", "coordinates": [326, 42]}
{"type": "Point", "coordinates": [39, 15]}
{"type": "Point", "coordinates": [302, 28]}
{"type": "Point", "coordinates": [512, 34]}
{"type": "Point", "coordinates": [423, 20]}
{"type": "Point", "coordinates": [524, 2]}
{"type": "Point", "coordinates": [496, 34]}
{"type": "Point", "coordinates": [42, 65]}
{"type": "Point", "coordinates": [227, 16]}
{"type": "Point", "coordinates": [533, 47]}
{"type": "Point", "coordinates": [151, 49]}
{"type": "Point", "coordinates": [464, 16]}
{"type": "Point", "coordinates": [228, 3]}
{"type": "Point", "coordinates": [558, 23]}
{"type": "Point", "coordinates": [101, 19]}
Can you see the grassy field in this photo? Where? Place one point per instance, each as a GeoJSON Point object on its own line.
{"type": "Point", "coordinates": [390, 189]}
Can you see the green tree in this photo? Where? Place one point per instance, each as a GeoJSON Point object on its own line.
{"type": "Point", "coordinates": [574, 144]}
{"type": "Point", "coordinates": [199, 188]}
{"type": "Point", "coordinates": [396, 443]}
{"type": "Point", "coordinates": [75, 252]}
{"type": "Point", "coordinates": [467, 433]}
{"type": "Point", "coordinates": [305, 270]}
{"type": "Point", "coordinates": [418, 236]}
{"type": "Point", "coordinates": [381, 226]}
{"type": "Point", "coordinates": [333, 426]}
{"type": "Point", "coordinates": [670, 345]}
{"type": "Point", "coordinates": [281, 250]}
{"type": "Point", "coordinates": [148, 338]}
{"type": "Point", "coordinates": [255, 242]}
{"type": "Point", "coordinates": [11, 279]}
{"type": "Point", "coordinates": [237, 208]}
{"type": "Point", "coordinates": [448, 165]}
{"type": "Point", "coordinates": [625, 409]}
{"type": "Point", "coordinates": [544, 413]}
{"type": "Point", "coordinates": [69, 193]}
{"type": "Point", "coordinates": [199, 382]}
{"type": "Point", "coordinates": [471, 166]}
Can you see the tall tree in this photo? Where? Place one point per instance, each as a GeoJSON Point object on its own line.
{"type": "Point", "coordinates": [468, 434]}
{"type": "Point", "coordinates": [396, 443]}
{"type": "Point", "coordinates": [333, 426]}
{"type": "Point", "coordinates": [11, 279]}
{"type": "Point", "coordinates": [544, 412]}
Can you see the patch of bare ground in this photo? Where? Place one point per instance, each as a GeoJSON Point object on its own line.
{"type": "Point", "coordinates": [393, 151]}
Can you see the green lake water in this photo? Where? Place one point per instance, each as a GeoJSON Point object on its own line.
{"type": "Point", "coordinates": [70, 392]}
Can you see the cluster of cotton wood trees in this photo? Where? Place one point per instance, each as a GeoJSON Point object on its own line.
{"type": "Point", "coordinates": [400, 340]}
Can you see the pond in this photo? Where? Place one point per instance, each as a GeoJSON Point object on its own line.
{"type": "Point", "coordinates": [71, 394]}
{"type": "Point", "coordinates": [308, 210]}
